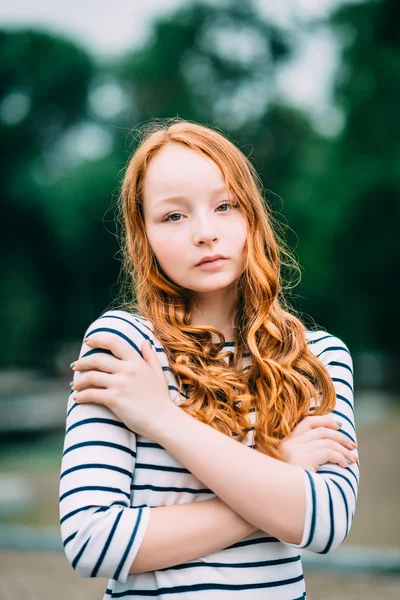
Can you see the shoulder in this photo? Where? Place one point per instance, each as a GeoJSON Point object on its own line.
{"type": "Point", "coordinates": [327, 347]}
{"type": "Point", "coordinates": [129, 325]}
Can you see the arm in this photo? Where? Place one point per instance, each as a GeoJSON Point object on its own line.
{"type": "Point", "coordinates": [264, 491]}
{"type": "Point", "coordinates": [301, 508]}
{"type": "Point", "coordinates": [183, 532]}
{"type": "Point", "coordinates": [102, 534]}
{"type": "Point", "coordinates": [332, 491]}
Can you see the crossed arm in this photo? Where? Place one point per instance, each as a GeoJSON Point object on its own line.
{"type": "Point", "coordinates": [254, 492]}
{"type": "Point", "coordinates": [183, 532]}
{"type": "Point", "coordinates": [265, 493]}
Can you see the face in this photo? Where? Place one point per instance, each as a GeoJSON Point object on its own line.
{"type": "Point", "coordinates": [188, 215]}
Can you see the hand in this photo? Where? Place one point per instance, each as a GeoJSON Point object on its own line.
{"type": "Point", "coordinates": [133, 388]}
{"type": "Point", "coordinates": [316, 441]}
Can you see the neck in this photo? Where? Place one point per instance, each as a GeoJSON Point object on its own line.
{"type": "Point", "coordinates": [217, 309]}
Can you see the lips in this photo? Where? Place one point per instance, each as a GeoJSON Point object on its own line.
{"type": "Point", "coordinates": [210, 259]}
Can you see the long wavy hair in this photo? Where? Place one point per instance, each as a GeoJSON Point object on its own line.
{"type": "Point", "coordinates": [284, 375]}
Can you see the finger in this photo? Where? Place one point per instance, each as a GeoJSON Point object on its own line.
{"type": "Point", "coordinates": [93, 396]}
{"type": "Point", "coordinates": [320, 444]}
{"type": "Point", "coordinates": [99, 362]}
{"type": "Point", "coordinates": [115, 341]}
{"type": "Point", "coordinates": [311, 422]}
{"type": "Point", "coordinates": [150, 357]}
{"type": "Point", "coordinates": [326, 433]}
{"type": "Point", "coordinates": [326, 455]}
{"type": "Point", "coordinates": [96, 379]}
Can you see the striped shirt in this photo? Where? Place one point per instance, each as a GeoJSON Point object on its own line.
{"type": "Point", "coordinates": [111, 478]}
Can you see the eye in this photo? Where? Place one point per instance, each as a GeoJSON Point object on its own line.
{"type": "Point", "coordinates": [168, 217]}
{"type": "Point", "coordinates": [231, 204]}
{"type": "Point", "coordinates": [223, 204]}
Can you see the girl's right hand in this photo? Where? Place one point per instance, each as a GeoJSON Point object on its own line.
{"type": "Point", "coordinates": [316, 441]}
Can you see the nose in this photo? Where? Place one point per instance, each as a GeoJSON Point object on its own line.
{"type": "Point", "coordinates": [205, 234]}
{"type": "Point", "coordinates": [204, 231]}
{"type": "Point", "coordinates": [205, 238]}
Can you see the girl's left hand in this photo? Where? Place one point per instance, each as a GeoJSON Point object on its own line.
{"type": "Point", "coordinates": [133, 388]}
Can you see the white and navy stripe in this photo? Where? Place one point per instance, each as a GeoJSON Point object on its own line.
{"type": "Point", "coordinates": [111, 478]}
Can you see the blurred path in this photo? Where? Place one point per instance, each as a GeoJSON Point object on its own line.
{"type": "Point", "coordinates": [46, 576]}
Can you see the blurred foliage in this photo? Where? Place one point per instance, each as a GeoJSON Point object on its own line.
{"type": "Point", "coordinates": [366, 160]}
{"type": "Point", "coordinates": [67, 124]}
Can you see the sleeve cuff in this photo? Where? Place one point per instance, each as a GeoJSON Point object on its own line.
{"type": "Point", "coordinates": [122, 572]}
{"type": "Point", "coordinates": [305, 540]}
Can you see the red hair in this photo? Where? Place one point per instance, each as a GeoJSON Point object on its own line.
{"type": "Point", "coordinates": [284, 375]}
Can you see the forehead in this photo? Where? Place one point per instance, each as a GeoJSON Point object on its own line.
{"type": "Point", "coordinates": [177, 169]}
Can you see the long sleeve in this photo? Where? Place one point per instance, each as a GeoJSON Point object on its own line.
{"type": "Point", "coordinates": [331, 491]}
{"type": "Point", "coordinates": [101, 532]}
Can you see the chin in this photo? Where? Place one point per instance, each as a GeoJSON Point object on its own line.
{"type": "Point", "coordinates": [211, 286]}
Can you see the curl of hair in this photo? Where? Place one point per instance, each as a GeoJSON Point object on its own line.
{"type": "Point", "coordinates": [284, 375]}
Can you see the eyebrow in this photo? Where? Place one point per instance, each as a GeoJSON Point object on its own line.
{"type": "Point", "coordinates": [173, 199]}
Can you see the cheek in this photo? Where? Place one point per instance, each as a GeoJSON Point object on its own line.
{"type": "Point", "coordinates": [168, 249]}
{"type": "Point", "coordinates": [238, 234]}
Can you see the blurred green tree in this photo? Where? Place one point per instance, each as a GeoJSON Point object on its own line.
{"type": "Point", "coordinates": [361, 184]}
{"type": "Point", "coordinates": [67, 145]}
{"type": "Point", "coordinates": [216, 64]}
{"type": "Point", "coordinates": [43, 87]}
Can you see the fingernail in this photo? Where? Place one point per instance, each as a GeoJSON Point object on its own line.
{"type": "Point", "coordinates": [339, 423]}
{"type": "Point", "coordinates": [72, 365]}
{"type": "Point", "coordinates": [349, 461]}
{"type": "Point", "coordinates": [71, 384]}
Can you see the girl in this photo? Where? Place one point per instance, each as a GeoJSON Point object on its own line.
{"type": "Point", "coordinates": [202, 448]}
